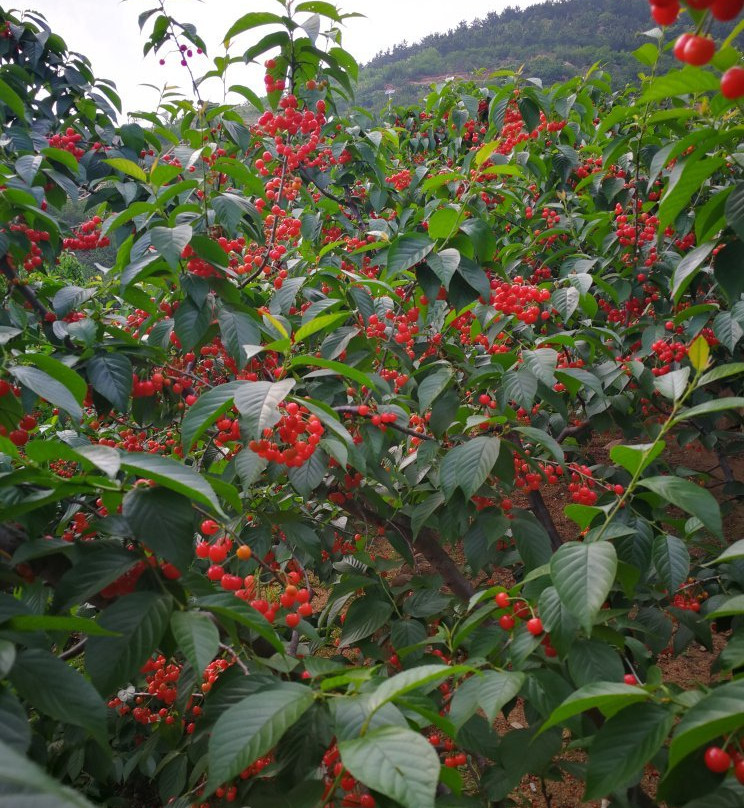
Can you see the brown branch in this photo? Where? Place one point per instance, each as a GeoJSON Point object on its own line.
{"type": "Point", "coordinates": [26, 291]}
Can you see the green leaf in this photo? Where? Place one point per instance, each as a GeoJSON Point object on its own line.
{"type": "Point", "coordinates": [722, 372]}
{"type": "Point", "coordinates": [258, 403]}
{"type": "Point", "coordinates": [207, 409]}
{"type": "Point", "coordinates": [728, 330]}
{"type": "Point", "coordinates": [406, 251]}
{"type": "Point", "coordinates": [253, 19]}
{"type": "Point", "coordinates": [399, 763]}
{"type": "Point", "coordinates": [687, 268]}
{"type": "Point", "coordinates": [424, 510]}
{"type": "Point", "coordinates": [672, 561]}
{"type": "Point", "coordinates": [519, 386]}
{"type": "Point", "coordinates": [23, 783]}
{"type": "Point", "coordinates": [110, 374]}
{"type": "Point", "coordinates": [337, 367]}
{"type": "Point", "coordinates": [687, 81]}
{"type": "Point", "coordinates": [72, 699]}
{"type": "Point", "coordinates": [443, 223]}
{"type": "Point", "coordinates": [228, 607]}
{"type": "Point", "coordinates": [365, 616]}
{"type": "Point", "coordinates": [545, 440]}
{"type": "Point", "coordinates": [689, 497]}
{"type": "Point", "coordinates": [51, 389]}
{"type": "Point", "coordinates": [718, 713]}
{"type": "Point", "coordinates": [51, 622]}
{"type": "Point", "coordinates": [7, 656]}
{"type": "Point", "coordinates": [433, 386]}
{"type": "Point", "coordinates": [170, 242]}
{"type": "Point", "coordinates": [637, 458]}
{"type": "Point", "coordinates": [444, 265]}
{"type": "Point", "coordinates": [140, 620]}
{"type": "Point", "coordinates": [325, 321]}
{"type": "Point", "coordinates": [727, 269]}
{"type": "Point", "coordinates": [583, 575]}
{"type": "Point", "coordinates": [174, 475]}
{"type": "Point", "coordinates": [164, 522]}
{"type": "Point", "coordinates": [736, 550]}
{"type": "Point", "coordinates": [127, 167]}
{"type": "Point", "coordinates": [15, 729]}
{"type": "Point", "coordinates": [11, 99]}
{"type": "Point", "coordinates": [699, 353]}
{"type": "Point", "coordinates": [251, 728]}
{"type": "Point", "coordinates": [197, 636]}
{"type": "Point", "coordinates": [673, 385]}
{"type": "Point", "coordinates": [686, 179]}
{"type": "Point", "coordinates": [624, 745]}
{"type": "Point", "coordinates": [237, 329]}
{"type": "Point", "coordinates": [468, 465]}
{"type": "Point", "coordinates": [409, 680]}
{"type": "Point", "coordinates": [735, 209]}
{"type": "Point", "coordinates": [729, 608]}
{"type": "Point", "coordinates": [249, 466]}
{"type": "Point", "coordinates": [191, 323]}
{"type": "Point", "coordinates": [608, 697]}
{"type": "Point", "coordinates": [488, 692]}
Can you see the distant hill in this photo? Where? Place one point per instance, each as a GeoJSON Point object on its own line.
{"type": "Point", "coordinates": [555, 40]}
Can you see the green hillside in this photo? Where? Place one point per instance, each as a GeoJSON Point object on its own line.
{"type": "Point", "coordinates": [554, 40]}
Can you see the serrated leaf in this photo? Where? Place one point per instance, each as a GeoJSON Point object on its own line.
{"type": "Point", "coordinates": [637, 458]}
{"type": "Point", "coordinates": [715, 714]}
{"type": "Point", "coordinates": [365, 616]}
{"type": "Point", "coordinates": [197, 636]}
{"type": "Point", "coordinates": [412, 679]}
{"type": "Point", "coordinates": [169, 242]}
{"type": "Point", "coordinates": [140, 619]}
{"type": "Point", "coordinates": [164, 522]}
{"type": "Point", "coordinates": [687, 268]}
{"type": "Point", "coordinates": [258, 403]}
{"type": "Point", "coordinates": [24, 784]}
{"type": "Point", "coordinates": [672, 561]}
{"type": "Point", "coordinates": [489, 692]}
{"type": "Point", "coordinates": [467, 466]}
{"type": "Point", "coordinates": [624, 745]}
{"type": "Point", "coordinates": [673, 385]}
{"type": "Point", "coordinates": [432, 386]}
{"type": "Point", "coordinates": [110, 374]}
{"type": "Point", "coordinates": [72, 700]}
{"type": "Point", "coordinates": [48, 388]}
{"type": "Point", "coordinates": [174, 475]}
{"type": "Point", "coordinates": [689, 497]}
{"type": "Point", "coordinates": [608, 697]}
{"type": "Point", "coordinates": [251, 728]}
{"type": "Point", "coordinates": [583, 575]}
{"type": "Point", "coordinates": [406, 251]}
{"type": "Point", "coordinates": [443, 223]}
{"type": "Point", "coordinates": [397, 762]}
{"type": "Point", "coordinates": [128, 167]}
{"type": "Point", "coordinates": [206, 410]}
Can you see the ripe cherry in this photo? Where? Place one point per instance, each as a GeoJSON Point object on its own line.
{"type": "Point", "coordinates": [209, 527]}
{"type": "Point", "coordinates": [732, 82]}
{"type": "Point", "coordinates": [535, 626]}
{"type": "Point", "coordinates": [629, 679]}
{"type": "Point", "coordinates": [717, 759]}
{"type": "Point", "coordinates": [665, 15]}
{"type": "Point", "coordinates": [502, 599]}
{"type": "Point", "coordinates": [725, 10]}
{"type": "Point", "coordinates": [506, 621]}
{"type": "Point", "coordinates": [739, 771]}
{"type": "Point", "coordinates": [698, 50]}
{"type": "Point", "coordinates": [292, 620]}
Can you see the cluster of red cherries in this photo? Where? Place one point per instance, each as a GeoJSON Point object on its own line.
{"type": "Point", "coordinates": [298, 431]}
{"type": "Point", "coordinates": [698, 48]}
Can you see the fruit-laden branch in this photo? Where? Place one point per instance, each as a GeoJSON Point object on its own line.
{"type": "Point", "coordinates": [363, 411]}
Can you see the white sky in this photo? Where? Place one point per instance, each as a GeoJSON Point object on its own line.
{"type": "Point", "coordinates": [106, 31]}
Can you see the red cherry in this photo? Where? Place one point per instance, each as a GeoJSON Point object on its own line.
{"type": "Point", "coordinates": [665, 15]}
{"type": "Point", "coordinates": [215, 573]}
{"type": "Point", "coordinates": [535, 626]}
{"type": "Point", "coordinates": [699, 50]}
{"type": "Point", "coordinates": [209, 527]}
{"type": "Point", "coordinates": [739, 771]}
{"type": "Point", "coordinates": [305, 610]}
{"type": "Point", "coordinates": [725, 10]}
{"type": "Point", "coordinates": [732, 82]}
{"type": "Point", "coordinates": [19, 437]}
{"type": "Point", "coordinates": [629, 679]}
{"type": "Point", "coordinates": [717, 759]}
{"type": "Point", "coordinates": [292, 620]}
{"type": "Point", "coordinates": [506, 621]}
{"type": "Point", "coordinates": [502, 599]}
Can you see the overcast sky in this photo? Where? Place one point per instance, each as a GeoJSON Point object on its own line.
{"type": "Point", "coordinates": [106, 31]}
